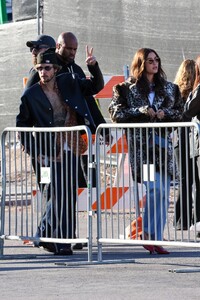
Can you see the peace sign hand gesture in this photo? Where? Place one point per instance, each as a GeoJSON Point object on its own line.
{"type": "Point", "coordinates": [90, 59]}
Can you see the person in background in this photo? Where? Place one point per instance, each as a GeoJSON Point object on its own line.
{"type": "Point", "coordinates": [184, 78]}
{"type": "Point", "coordinates": [192, 113]}
{"type": "Point", "coordinates": [66, 49]}
{"type": "Point", "coordinates": [53, 102]}
{"type": "Point", "coordinates": [149, 99]}
{"type": "Point", "coordinates": [39, 45]}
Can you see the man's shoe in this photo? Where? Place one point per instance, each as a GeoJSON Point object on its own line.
{"type": "Point", "coordinates": [64, 251]}
{"type": "Point", "coordinates": [50, 247]}
{"type": "Point", "coordinates": [78, 246]}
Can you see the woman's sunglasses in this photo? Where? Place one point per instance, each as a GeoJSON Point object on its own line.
{"type": "Point", "coordinates": [151, 60]}
{"type": "Point", "coordinates": [38, 47]}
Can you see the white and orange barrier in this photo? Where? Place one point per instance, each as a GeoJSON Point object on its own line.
{"type": "Point", "coordinates": [109, 82]}
{"type": "Point", "coordinates": [112, 198]}
{"type": "Point", "coordinates": [121, 193]}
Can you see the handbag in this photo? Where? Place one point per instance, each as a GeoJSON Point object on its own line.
{"type": "Point", "coordinates": [134, 232]}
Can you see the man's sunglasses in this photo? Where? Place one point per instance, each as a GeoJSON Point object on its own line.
{"type": "Point", "coordinates": [38, 47]}
{"type": "Point", "coordinates": [46, 68]}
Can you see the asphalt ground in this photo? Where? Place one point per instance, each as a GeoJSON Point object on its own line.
{"type": "Point", "coordinates": [126, 272]}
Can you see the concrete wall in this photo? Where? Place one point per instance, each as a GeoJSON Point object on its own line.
{"type": "Point", "coordinates": [24, 10]}
{"type": "Point", "coordinates": [115, 28]}
{"type": "Point", "coordinates": [15, 63]}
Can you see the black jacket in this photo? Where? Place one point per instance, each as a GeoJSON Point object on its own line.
{"type": "Point", "coordinates": [192, 113]}
{"type": "Point", "coordinates": [75, 69]}
{"type": "Point", "coordinates": [36, 110]}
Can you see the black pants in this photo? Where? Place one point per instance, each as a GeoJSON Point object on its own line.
{"type": "Point", "coordinates": [84, 171]}
{"type": "Point", "coordinates": [60, 219]}
{"type": "Point", "coordinates": [185, 197]}
{"type": "Point", "coordinates": [64, 197]}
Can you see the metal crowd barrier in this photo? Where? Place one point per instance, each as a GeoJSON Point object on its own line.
{"type": "Point", "coordinates": [33, 183]}
{"type": "Point", "coordinates": [118, 197]}
{"type": "Point", "coordinates": [121, 193]}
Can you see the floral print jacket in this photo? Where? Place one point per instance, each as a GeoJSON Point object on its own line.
{"type": "Point", "coordinates": [128, 105]}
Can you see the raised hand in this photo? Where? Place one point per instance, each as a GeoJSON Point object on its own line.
{"type": "Point", "coordinates": [90, 59]}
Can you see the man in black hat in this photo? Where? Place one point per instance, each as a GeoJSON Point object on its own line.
{"type": "Point", "coordinates": [66, 48]}
{"type": "Point", "coordinates": [41, 44]}
{"type": "Point", "coordinates": [55, 101]}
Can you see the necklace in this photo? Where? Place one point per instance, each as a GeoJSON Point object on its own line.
{"type": "Point", "coordinates": [152, 87]}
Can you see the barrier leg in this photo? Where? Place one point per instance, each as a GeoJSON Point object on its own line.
{"type": "Point", "coordinates": [1, 246]}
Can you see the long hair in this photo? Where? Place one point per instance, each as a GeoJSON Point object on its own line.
{"type": "Point", "coordinates": [197, 69]}
{"type": "Point", "coordinates": [138, 71]}
{"type": "Point", "coordinates": [185, 77]}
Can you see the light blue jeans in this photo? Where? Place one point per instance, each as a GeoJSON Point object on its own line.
{"type": "Point", "coordinates": [157, 203]}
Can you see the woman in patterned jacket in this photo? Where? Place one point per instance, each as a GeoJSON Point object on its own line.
{"type": "Point", "coordinates": [148, 97]}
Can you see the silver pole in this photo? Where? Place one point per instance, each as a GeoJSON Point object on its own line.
{"type": "Point", "coordinates": [38, 17]}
